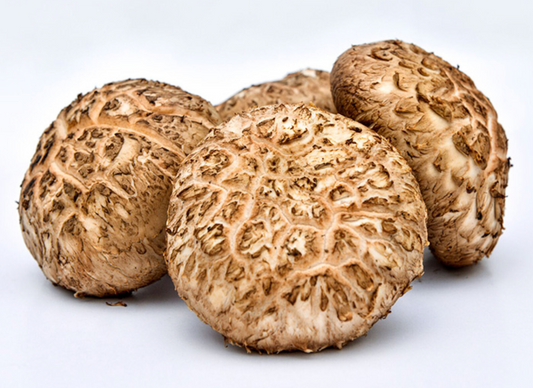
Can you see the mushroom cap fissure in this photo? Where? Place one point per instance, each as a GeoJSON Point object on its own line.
{"type": "Point", "coordinates": [93, 202]}
{"type": "Point", "coordinates": [291, 228]}
{"type": "Point", "coordinates": [305, 86]}
{"type": "Point", "coordinates": [444, 127]}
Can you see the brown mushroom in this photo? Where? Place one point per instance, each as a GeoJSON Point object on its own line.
{"type": "Point", "coordinates": [444, 127]}
{"type": "Point", "coordinates": [94, 200]}
{"type": "Point", "coordinates": [291, 228]}
{"type": "Point", "coordinates": [305, 86]}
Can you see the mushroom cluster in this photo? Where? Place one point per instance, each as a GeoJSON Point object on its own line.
{"type": "Point", "coordinates": [293, 215]}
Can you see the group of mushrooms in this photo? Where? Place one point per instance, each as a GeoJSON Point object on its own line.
{"type": "Point", "coordinates": [290, 217]}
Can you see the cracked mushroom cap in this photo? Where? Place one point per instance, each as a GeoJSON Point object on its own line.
{"type": "Point", "coordinates": [445, 128]}
{"type": "Point", "coordinates": [291, 228]}
{"type": "Point", "coordinates": [304, 86]}
{"type": "Point", "coordinates": [93, 202]}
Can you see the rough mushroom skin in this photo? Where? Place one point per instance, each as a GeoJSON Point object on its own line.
{"type": "Point", "coordinates": [94, 199]}
{"type": "Point", "coordinates": [305, 86]}
{"type": "Point", "coordinates": [445, 128]}
{"type": "Point", "coordinates": [291, 228]}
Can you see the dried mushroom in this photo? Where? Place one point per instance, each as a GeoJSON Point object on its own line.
{"type": "Point", "coordinates": [305, 86]}
{"type": "Point", "coordinates": [291, 228]}
{"type": "Point", "coordinates": [94, 201]}
{"type": "Point", "coordinates": [445, 128]}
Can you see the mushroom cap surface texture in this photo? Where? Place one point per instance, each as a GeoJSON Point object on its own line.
{"type": "Point", "coordinates": [304, 86]}
{"type": "Point", "coordinates": [292, 228]}
{"type": "Point", "coordinates": [93, 203]}
{"type": "Point", "coordinates": [445, 128]}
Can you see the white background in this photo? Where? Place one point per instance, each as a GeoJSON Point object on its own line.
{"type": "Point", "coordinates": [460, 328]}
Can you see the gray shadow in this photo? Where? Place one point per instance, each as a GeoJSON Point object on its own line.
{"type": "Point", "coordinates": [437, 274]}
{"type": "Point", "coordinates": [162, 292]}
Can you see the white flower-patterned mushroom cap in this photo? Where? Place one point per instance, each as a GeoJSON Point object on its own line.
{"type": "Point", "coordinates": [292, 228]}
{"type": "Point", "coordinates": [94, 201]}
{"type": "Point", "coordinates": [304, 86]}
{"type": "Point", "coordinates": [445, 128]}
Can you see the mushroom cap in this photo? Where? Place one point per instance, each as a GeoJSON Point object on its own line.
{"type": "Point", "coordinates": [304, 86]}
{"type": "Point", "coordinates": [93, 202]}
{"type": "Point", "coordinates": [444, 127]}
{"type": "Point", "coordinates": [291, 228]}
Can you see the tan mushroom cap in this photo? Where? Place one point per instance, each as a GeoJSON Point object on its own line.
{"type": "Point", "coordinates": [445, 128]}
{"type": "Point", "coordinates": [291, 228]}
{"type": "Point", "coordinates": [304, 86]}
{"type": "Point", "coordinates": [93, 203]}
